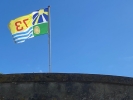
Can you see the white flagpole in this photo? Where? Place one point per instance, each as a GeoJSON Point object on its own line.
{"type": "Point", "coordinates": [49, 38]}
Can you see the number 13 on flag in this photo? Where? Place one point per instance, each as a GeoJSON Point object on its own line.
{"type": "Point", "coordinates": [20, 24]}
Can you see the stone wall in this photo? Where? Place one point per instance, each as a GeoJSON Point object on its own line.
{"type": "Point", "coordinates": [59, 86]}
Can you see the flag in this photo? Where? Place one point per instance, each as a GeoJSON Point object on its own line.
{"type": "Point", "coordinates": [29, 26]}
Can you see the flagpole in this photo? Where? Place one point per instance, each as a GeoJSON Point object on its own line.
{"type": "Point", "coordinates": [49, 38]}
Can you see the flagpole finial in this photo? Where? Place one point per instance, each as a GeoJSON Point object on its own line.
{"type": "Point", "coordinates": [49, 6]}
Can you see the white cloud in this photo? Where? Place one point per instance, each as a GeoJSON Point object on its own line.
{"type": "Point", "coordinates": [40, 71]}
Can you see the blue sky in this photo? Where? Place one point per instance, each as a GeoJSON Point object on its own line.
{"type": "Point", "coordinates": [88, 36]}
